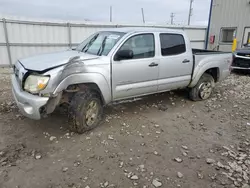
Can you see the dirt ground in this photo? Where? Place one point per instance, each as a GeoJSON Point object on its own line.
{"type": "Point", "coordinates": [163, 140]}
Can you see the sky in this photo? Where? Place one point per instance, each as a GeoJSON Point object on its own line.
{"type": "Point", "coordinates": [124, 11]}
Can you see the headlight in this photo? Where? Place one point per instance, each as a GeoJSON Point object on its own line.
{"type": "Point", "coordinates": [35, 83]}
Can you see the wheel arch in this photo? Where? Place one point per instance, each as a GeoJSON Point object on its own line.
{"type": "Point", "coordinates": [93, 87]}
{"type": "Point", "coordinates": [93, 81]}
{"type": "Point", "coordinates": [214, 71]}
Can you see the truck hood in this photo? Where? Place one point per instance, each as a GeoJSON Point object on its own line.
{"type": "Point", "coordinates": [51, 60]}
{"type": "Point", "coordinates": [243, 51]}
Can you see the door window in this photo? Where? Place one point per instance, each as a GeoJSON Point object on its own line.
{"type": "Point", "coordinates": [143, 46]}
{"type": "Point", "coordinates": [172, 44]}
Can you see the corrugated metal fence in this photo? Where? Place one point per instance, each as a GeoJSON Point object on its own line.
{"type": "Point", "coordinates": [19, 38]}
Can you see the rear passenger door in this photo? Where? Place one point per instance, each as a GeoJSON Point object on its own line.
{"type": "Point", "coordinates": [176, 62]}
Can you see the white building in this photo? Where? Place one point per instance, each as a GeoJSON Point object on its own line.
{"type": "Point", "coordinates": [229, 17]}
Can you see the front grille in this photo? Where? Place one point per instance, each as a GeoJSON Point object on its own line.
{"type": "Point", "coordinates": [240, 62]}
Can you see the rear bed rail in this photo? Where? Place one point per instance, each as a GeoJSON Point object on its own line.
{"type": "Point", "coordinates": [205, 52]}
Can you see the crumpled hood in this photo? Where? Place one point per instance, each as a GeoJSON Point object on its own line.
{"type": "Point", "coordinates": [51, 60]}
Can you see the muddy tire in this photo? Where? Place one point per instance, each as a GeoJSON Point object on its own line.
{"type": "Point", "coordinates": [85, 111]}
{"type": "Point", "coordinates": [203, 89]}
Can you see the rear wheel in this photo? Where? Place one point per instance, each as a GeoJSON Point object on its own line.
{"type": "Point", "coordinates": [85, 111]}
{"type": "Point", "coordinates": [203, 89]}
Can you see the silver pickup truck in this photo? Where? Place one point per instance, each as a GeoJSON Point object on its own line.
{"type": "Point", "coordinates": [113, 65]}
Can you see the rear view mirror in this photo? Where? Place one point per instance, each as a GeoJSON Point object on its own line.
{"type": "Point", "coordinates": [124, 54]}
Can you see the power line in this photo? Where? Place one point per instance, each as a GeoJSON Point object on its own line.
{"type": "Point", "coordinates": [190, 11]}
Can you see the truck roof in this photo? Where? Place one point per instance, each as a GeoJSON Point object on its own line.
{"type": "Point", "coordinates": [144, 29]}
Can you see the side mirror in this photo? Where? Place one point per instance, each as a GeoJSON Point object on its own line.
{"type": "Point", "coordinates": [124, 54]}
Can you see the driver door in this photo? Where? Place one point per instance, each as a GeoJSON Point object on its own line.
{"type": "Point", "coordinates": [138, 75]}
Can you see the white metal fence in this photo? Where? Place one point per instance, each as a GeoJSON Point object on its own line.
{"type": "Point", "coordinates": [20, 39]}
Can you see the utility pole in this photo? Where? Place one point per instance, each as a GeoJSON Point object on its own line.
{"type": "Point", "coordinates": [190, 11]}
{"type": "Point", "coordinates": [172, 18]}
{"type": "Point", "coordinates": [110, 14]}
{"type": "Point", "coordinates": [142, 13]}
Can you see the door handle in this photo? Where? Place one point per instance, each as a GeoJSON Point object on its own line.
{"type": "Point", "coordinates": [153, 64]}
{"type": "Point", "coordinates": [185, 61]}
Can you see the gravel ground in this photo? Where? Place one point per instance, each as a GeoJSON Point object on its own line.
{"type": "Point", "coordinates": [163, 140]}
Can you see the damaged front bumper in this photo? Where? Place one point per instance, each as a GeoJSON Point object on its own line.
{"type": "Point", "coordinates": [30, 105]}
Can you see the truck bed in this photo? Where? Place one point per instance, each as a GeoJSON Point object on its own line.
{"type": "Point", "coordinates": [221, 60]}
{"type": "Point", "coordinates": [200, 55]}
{"type": "Point", "coordinates": [206, 52]}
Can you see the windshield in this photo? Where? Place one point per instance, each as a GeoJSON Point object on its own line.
{"type": "Point", "coordinates": [100, 43]}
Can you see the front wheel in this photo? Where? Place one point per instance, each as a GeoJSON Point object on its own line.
{"type": "Point", "coordinates": [85, 111]}
{"type": "Point", "coordinates": [203, 89]}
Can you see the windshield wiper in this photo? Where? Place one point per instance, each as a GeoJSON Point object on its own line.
{"type": "Point", "coordinates": [86, 47]}
{"type": "Point", "coordinates": [101, 49]}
